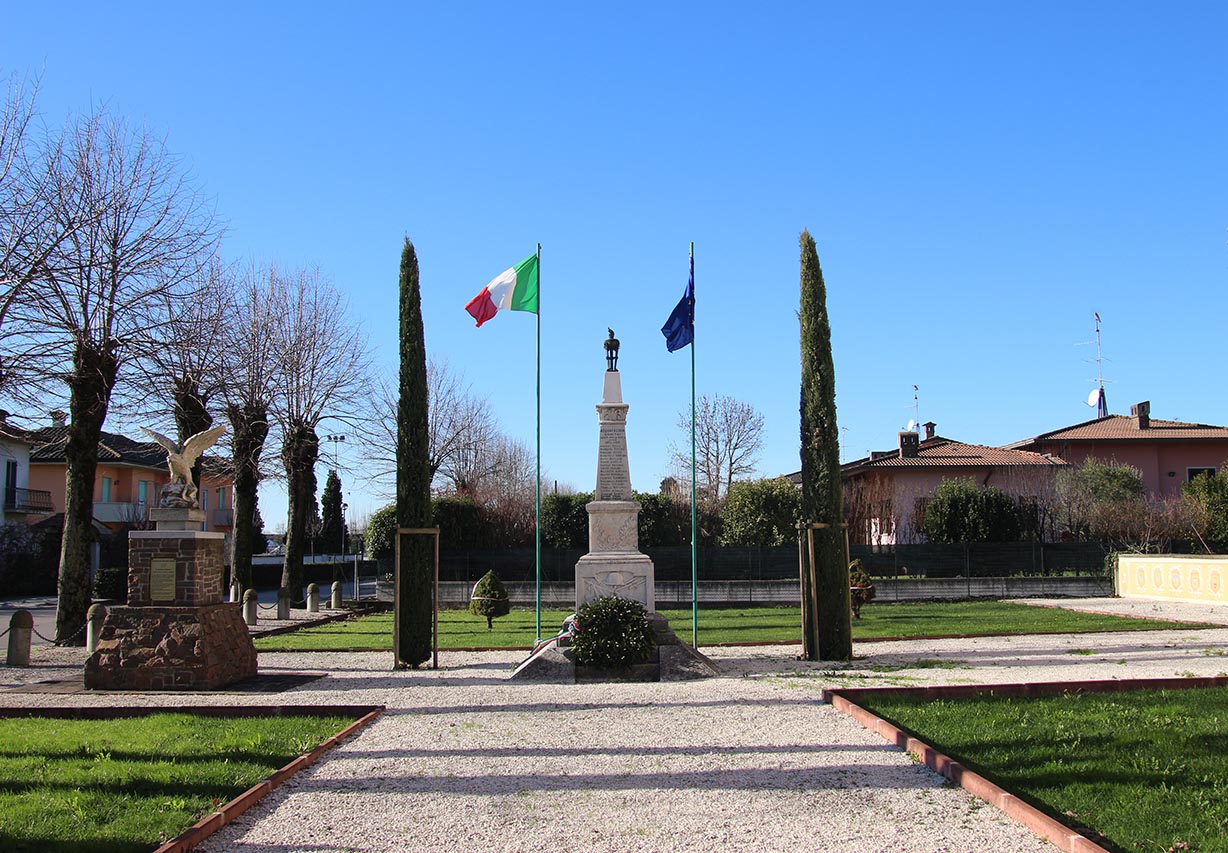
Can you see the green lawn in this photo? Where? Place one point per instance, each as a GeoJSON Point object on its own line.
{"type": "Point", "coordinates": [1147, 770]}
{"type": "Point", "coordinates": [131, 784]}
{"type": "Point", "coordinates": [458, 629]}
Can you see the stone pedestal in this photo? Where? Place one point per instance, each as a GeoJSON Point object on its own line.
{"type": "Point", "coordinates": [176, 632]}
{"type": "Point", "coordinates": [614, 564]}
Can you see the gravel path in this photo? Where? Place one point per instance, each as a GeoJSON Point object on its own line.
{"type": "Point", "coordinates": [464, 759]}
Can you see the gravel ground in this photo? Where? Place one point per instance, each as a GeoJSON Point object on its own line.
{"type": "Point", "coordinates": [464, 759]}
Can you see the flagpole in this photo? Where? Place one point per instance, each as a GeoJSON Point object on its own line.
{"type": "Point", "coordinates": [537, 510]}
{"type": "Point", "coordinates": [694, 525]}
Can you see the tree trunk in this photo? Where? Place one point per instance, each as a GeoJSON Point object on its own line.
{"type": "Point", "coordinates": [93, 378]}
{"type": "Point", "coordinates": [299, 454]}
{"type": "Point", "coordinates": [250, 428]}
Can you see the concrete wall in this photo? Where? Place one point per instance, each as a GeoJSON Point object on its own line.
{"type": "Point", "coordinates": [1179, 577]}
{"type": "Point", "coordinates": [672, 595]}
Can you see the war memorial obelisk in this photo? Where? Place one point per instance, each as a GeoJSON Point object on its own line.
{"type": "Point", "coordinates": [614, 564]}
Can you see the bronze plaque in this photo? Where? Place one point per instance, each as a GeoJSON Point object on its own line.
{"type": "Point", "coordinates": [162, 580]}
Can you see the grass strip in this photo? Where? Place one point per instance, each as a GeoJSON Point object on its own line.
{"type": "Point", "coordinates": [1139, 770]}
{"type": "Point", "coordinates": [131, 784]}
{"type": "Point", "coordinates": [458, 629]}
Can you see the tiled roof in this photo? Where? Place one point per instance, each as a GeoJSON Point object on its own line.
{"type": "Point", "coordinates": [1125, 428]}
{"type": "Point", "coordinates": [941, 452]}
{"type": "Point", "coordinates": [15, 434]}
{"type": "Point", "coordinates": [112, 447]}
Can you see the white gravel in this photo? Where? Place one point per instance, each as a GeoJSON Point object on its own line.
{"type": "Point", "coordinates": [464, 759]}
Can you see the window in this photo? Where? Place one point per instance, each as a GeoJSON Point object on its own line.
{"type": "Point", "coordinates": [221, 498]}
{"type": "Point", "coordinates": [1191, 473]}
{"type": "Point", "coordinates": [106, 490]}
{"type": "Point", "coordinates": [142, 492]}
{"type": "Point", "coordinates": [10, 482]}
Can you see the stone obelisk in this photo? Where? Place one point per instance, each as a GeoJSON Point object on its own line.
{"type": "Point", "coordinates": [614, 564]}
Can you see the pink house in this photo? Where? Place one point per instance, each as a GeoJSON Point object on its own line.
{"type": "Point", "coordinates": [1168, 453]}
{"type": "Point", "coordinates": [885, 494]}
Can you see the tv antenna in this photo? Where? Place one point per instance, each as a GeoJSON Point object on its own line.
{"type": "Point", "coordinates": [916, 411]}
{"type": "Point", "coordinates": [1097, 398]}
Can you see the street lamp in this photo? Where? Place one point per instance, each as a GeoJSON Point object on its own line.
{"type": "Point", "coordinates": [336, 440]}
{"type": "Point", "coordinates": [345, 529]}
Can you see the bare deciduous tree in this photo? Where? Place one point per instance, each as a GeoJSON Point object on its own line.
{"type": "Point", "coordinates": [728, 437]}
{"type": "Point", "coordinates": [324, 365]}
{"type": "Point", "coordinates": [134, 230]}
{"type": "Point", "coordinates": [250, 369]}
{"type": "Point", "coordinates": [462, 429]}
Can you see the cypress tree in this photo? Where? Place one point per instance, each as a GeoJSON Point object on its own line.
{"type": "Point", "coordinates": [416, 569]}
{"type": "Point", "coordinates": [827, 598]}
{"type": "Point", "coordinates": [332, 520]}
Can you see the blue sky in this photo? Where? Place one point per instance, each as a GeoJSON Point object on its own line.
{"type": "Point", "coordinates": [980, 178]}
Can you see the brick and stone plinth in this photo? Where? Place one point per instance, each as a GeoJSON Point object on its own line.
{"type": "Point", "coordinates": [171, 648]}
{"type": "Point", "coordinates": [176, 633]}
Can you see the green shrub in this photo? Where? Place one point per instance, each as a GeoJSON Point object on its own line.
{"type": "Point", "coordinates": [489, 599]}
{"type": "Point", "coordinates": [859, 577]}
{"type": "Point", "coordinates": [761, 512]}
{"type": "Point", "coordinates": [382, 531]}
{"type": "Point", "coordinates": [960, 511]}
{"type": "Point", "coordinates": [111, 582]}
{"type": "Point", "coordinates": [612, 632]}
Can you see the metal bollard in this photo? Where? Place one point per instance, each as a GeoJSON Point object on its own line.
{"type": "Point", "coordinates": [313, 598]}
{"type": "Point", "coordinates": [251, 606]}
{"type": "Point", "coordinates": [20, 627]}
{"type": "Point", "coordinates": [283, 603]}
{"type": "Point", "coordinates": [335, 603]}
{"type": "Point", "coordinates": [93, 626]}
{"type": "Point", "coordinates": [236, 590]}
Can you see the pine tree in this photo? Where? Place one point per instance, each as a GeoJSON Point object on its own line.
{"type": "Point", "coordinates": [416, 570]}
{"type": "Point", "coordinates": [828, 634]}
{"type": "Point", "coordinates": [332, 521]}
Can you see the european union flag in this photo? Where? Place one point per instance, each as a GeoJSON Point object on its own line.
{"type": "Point", "coordinates": [679, 329]}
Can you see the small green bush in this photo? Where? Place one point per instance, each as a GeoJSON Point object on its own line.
{"type": "Point", "coordinates": [489, 599]}
{"type": "Point", "coordinates": [111, 582]}
{"type": "Point", "coordinates": [612, 632]}
{"type": "Point", "coordinates": [858, 576]}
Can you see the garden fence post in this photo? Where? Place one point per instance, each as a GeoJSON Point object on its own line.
{"type": "Point", "coordinates": [251, 605]}
{"type": "Point", "coordinates": [335, 603]}
{"type": "Point", "coordinates": [283, 604]}
{"type": "Point", "coordinates": [93, 626]}
{"type": "Point", "coordinates": [20, 627]}
{"type": "Point", "coordinates": [313, 598]}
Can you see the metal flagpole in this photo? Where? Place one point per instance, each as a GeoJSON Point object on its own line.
{"type": "Point", "coordinates": [537, 511]}
{"type": "Point", "coordinates": [694, 525]}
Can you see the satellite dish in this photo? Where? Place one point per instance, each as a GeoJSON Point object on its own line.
{"type": "Point", "coordinates": [912, 425]}
{"type": "Point", "coordinates": [1093, 399]}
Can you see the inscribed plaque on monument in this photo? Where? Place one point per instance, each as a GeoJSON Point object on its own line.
{"type": "Point", "coordinates": [162, 580]}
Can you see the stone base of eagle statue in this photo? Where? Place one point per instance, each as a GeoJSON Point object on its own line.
{"type": "Point", "coordinates": [180, 492]}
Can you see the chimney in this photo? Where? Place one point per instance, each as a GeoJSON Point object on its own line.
{"type": "Point", "coordinates": [930, 426]}
{"type": "Point", "coordinates": [59, 418]}
{"type": "Point", "coordinates": [909, 442]}
{"type": "Point", "coordinates": [1142, 413]}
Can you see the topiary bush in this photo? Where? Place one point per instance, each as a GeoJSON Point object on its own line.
{"type": "Point", "coordinates": [612, 632]}
{"type": "Point", "coordinates": [489, 599]}
{"type": "Point", "coordinates": [859, 577]}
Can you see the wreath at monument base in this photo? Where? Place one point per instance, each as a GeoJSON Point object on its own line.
{"type": "Point", "coordinates": [612, 632]}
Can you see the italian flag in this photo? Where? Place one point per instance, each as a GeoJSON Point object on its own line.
{"type": "Point", "coordinates": [514, 288]}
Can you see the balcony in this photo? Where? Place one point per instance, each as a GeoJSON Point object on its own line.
{"type": "Point", "coordinates": [223, 518]}
{"type": "Point", "coordinates": [112, 512]}
{"type": "Point", "coordinates": [27, 500]}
